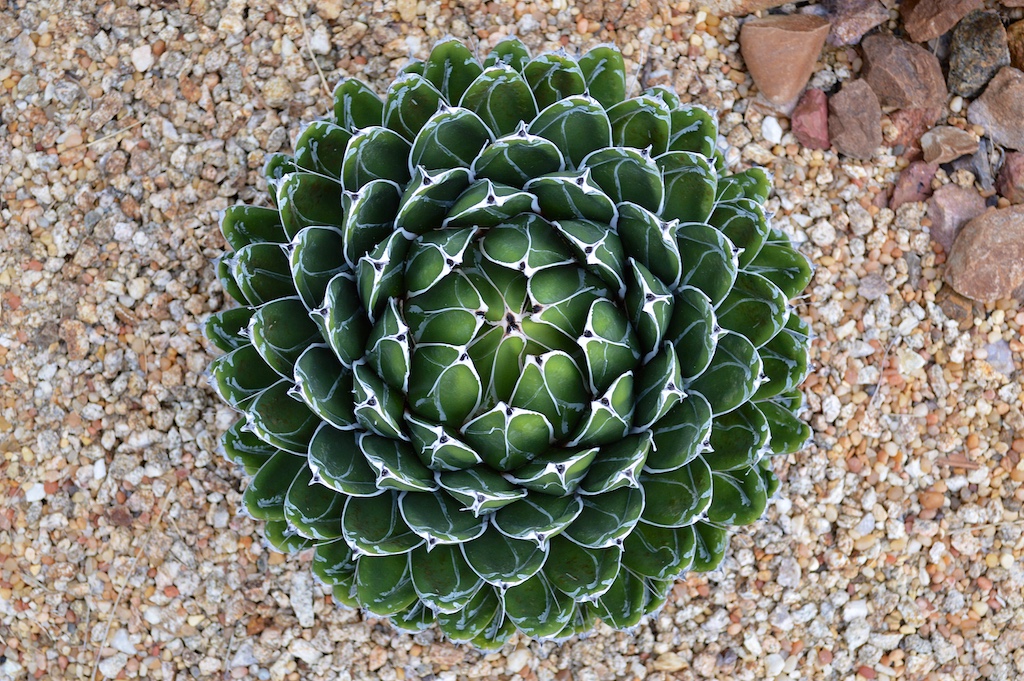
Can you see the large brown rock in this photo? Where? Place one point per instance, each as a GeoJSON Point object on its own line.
{"type": "Point", "coordinates": [855, 120]}
{"type": "Point", "coordinates": [809, 121]}
{"type": "Point", "coordinates": [946, 143]}
{"type": "Point", "coordinates": [950, 208]}
{"type": "Point", "coordinates": [978, 49]}
{"type": "Point", "coordinates": [913, 184]}
{"type": "Point", "coordinates": [987, 259]}
{"type": "Point", "coordinates": [851, 19]}
{"type": "Point", "coordinates": [1000, 109]}
{"type": "Point", "coordinates": [780, 52]}
{"type": "Point", "coordinates": [903, 75]}
{"type": "Point", "coordinates": [928, 19]}
{"type": "Point", "coordinates": [1015, 43]}
{"type": "Point", "coordinates": [1011, 177]}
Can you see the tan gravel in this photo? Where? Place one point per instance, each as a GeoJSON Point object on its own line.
{"type": "Point", "coordinates": [895, 546]}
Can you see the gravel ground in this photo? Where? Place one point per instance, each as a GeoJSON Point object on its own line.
{"type": "Point", "coordinates": [894, 549]}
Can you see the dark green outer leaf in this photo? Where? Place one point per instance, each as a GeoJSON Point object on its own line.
{"type": "Point", "coordinates": [510, 51]}
{"type": "Point", "coordinates": [502, 99]}
{"type": "Point", "coordinates": [451, 67]}
{"type": "Point", "coordinates": [733, 376]}
{"type": "Point", "coordinates": [226, 329]}
{"type": "Point", "coordinates": [411, 101]}
{"type": "Point", "coordinates": [281, 420]}
{"type": "Point", "coordinates": [577, 125]}
{"type": "Point", "coordinates": [605, 72]}
{"type": "Point", "coordinates": [243, 225]}
{"type": "Point", "coordinates": [356, 106]}
{"type": "Point", "coordinates": [677, 498]}
{"type": "Point", "coordinates": [264, 495]}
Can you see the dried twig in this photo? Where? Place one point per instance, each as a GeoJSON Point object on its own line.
{"type": "Point", "coordinates": [309, 49]}
{"type": "Point", "coordinates": [111, 135]}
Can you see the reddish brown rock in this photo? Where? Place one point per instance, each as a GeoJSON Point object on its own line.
{"type": "Point", "coordinates": [977, 50]}
{"type": "Point", "coordinates": [911, 124]}
{"type": "Point", "coordinates": [946, 143]}
{"type": "Point", "coordinates": [809, 121]}
{"type": "Point", "coordinates": [928, 19]}
{"type": "Point", "coordinates": [986, 262]}
{"type": "Point", "coordinates": [1000, 109]}
{"type": "Point", "coordinates": [913, 184]}
{"type": "Point", "coordinates": [1015, 43]}
{"type": "Point", "coordinates": [1010, 182]}
{"type": "Point", "coordinates": [903, 75]}
{"type": "Point", "coordinates": [780, 52]}
{"type": "Point", "coordinates": [739, 8]}
{"type": "Point", "coordinates": [855, 120]}
{"type": "Point", "coordinates": [950, 208]}
{"type": "Point", "coordinates": [851, 19]}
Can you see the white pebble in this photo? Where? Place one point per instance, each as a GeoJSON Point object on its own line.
{"type": "Point", "coordinates": [956, 105]}
{"type": "Point", "coordinates": [35, 493]}
{"type": "Point", "coordinates": [771, 130]}
{"type": "Point", "coordinates": [99, 469]}
{"type": "Point", "coordinates": [774, 664]}
{"type": "Point", "coordinates": [142, 58]}
{"type": "Point", "coordinates": [855, 610]}
{"type": "Point", "coordinates": [518, 659]}
{"type": "Point", "coordinates": [301, 598]}
{"type": "Point", "coordinates": [121, 642]}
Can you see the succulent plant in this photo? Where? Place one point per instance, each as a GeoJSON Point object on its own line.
{"type": "Point", "coordinates": [512, 351]}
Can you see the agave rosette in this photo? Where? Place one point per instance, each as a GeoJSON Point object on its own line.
{"type": "Point", "coordinates": [511, 352]}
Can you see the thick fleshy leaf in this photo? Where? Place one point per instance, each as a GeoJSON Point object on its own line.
{"type": "Point", "coordinates": [503, 561]}
{"type": "Point", "coordinates": [617, 465]}
{"type": "Point", "coordinates": [552, 385]}
{"type": "Point", "coordinates": [753, 183]}
{"type": "Point", "coordinates": [626, 174]}
{"type": "Point", "coordinates": [264, 495]}
{"type": "Point", "coordinates": [439, 519]}
{"type": "Point", "coordinates": [433, 256]}
{"type": "Point", "coordinates": [738, 439]}
{"type": "Point", "coordinates": [281, 331]}
{"type": "Point", "coordinates": [690, 182]}
{"type": "Point", "coordinates": [554, 76]}
{"type": "Point", "coordinates": [499, 358]}
{"type": "Point", "coordinates": [411, 101]}
{"type": "Point", "coordinates": [380, 272]}
{"type": "Point", "coordinates": [384, 584]}
{"type": "Point", "coordinates": [607, 519]}
{"type": "Point", "coordinates": [681, 435]}
{"type": "Point", "coordinates": [438, 447]}
{"type": "Point", "coordinates": [582, 623]}
{"type": "Point", "coordinates": [442, 578]}
{"type": "Point", "coordinates": [378, 407]}
{"type": "Point", "coordinates": [733, 376]}
{"type": "Point", "coordinates": [581, 573]}
{"type": "Point", "coordinates": [666, 94]}
{"type": "Point", "coordinates": [657, 591]}
{"type": "Point", "coordinates": [275, 167]}
{"type": "Point", "coordinates": [444, 386]}
{"type": "Point", "coordinates": [789, 434]}
{"type": "Point", "coordinates": [226, 278]}
{"type": "Point", "coordinates": [693, 331]}
{"type": "Point", "coordinates": [515, 159]}
{"type": "Point", "coordinates": [694, 128]}
{"type": "Point", "coordinates": [537, 608]}
{"type": "Point", "coordinates": [414, 619]}
{"type": "Point", "coordinates": [572, 195]}
{"type": "Point", "coordinates": [739, 497]}
{"type": "Point", "coordinates": [279, 419]}
{"type": "Point", "coordinates": [333, 562]}
{"type": "Point", "coordinates": [313, 509]}
{"type": "Point", "coordinates": [605, 72]}
{"type": "Point", "coordinates": [451, 138]}
{"type": "Point", "coordinates": [651, 242]}
{"type": "Point", "coordinates": [245, 449]}
{"type": "Point", "coordinates": [449, 312]}
{"type": "Point", "coordinates": [526, 243]}
{"type": "Point", "coordinates": [565, 295]}
{"type": "Point", "coordinates": [344, 320]}
{"type": "Point", "coordinates": [771, 481]}
{"type": "Point", "coordinates": [486, 204]}
{"type": "Point", "coordinates": [428, 199]}
{"type": "Point", "coordinates": [243, 225]}
{"type": "Point", "coordinates": [283, 538]}
{"type": "Point", "coordinates": [501, 98]}
{"type": "Point", "coordinates": [755, 308]}
{"type": "Point", "coordinates": [745, 224]}
{"type": "Point", "coordinates": [711, 541]}
{"type": "Point", "coordinates": [306, 199]}
{"type": "Point", "coordinates": [374, 526]}
{"type": "Point", "coordinates": [659, 552]}
{"type": "Point", "coordinates": [537, 517]}
{"type": "Point", "coordinates": [262, 273]}
{"type": "Point", "coordinates": [451, 67]}
{"type": "Point", "coordinates": [388, 348]}
{"type": "Point", "coordinates": [609, 417]}
{"type": "Point", "coordinates": [598, 248]}
{"type": "Point", "coordinates": [677, 498]}
{"type": "Point", "coordinates": [480, 489]}
{"type": "Point", "coordinates": [472, 620]}
{"type": "Point", "coordinates": [315, 260]}
{"type": "Point", "coordinates": [496, 635]}
{"type": "Point", "coordinates": [396, 464]}
{"type": "Point", "coordinates": [321, 147]}
{"type": "Point", "coordinates": [785, 364]}
{"type": "Point", "coordinates": [609, 344]}
{"type": "Point", "coordinates": [642, 123]}
{"type": "Point", "coordinates": [557, 472]}
{"type": "Point", "coordinates": [240, 375]}
{"type": "Point", "coordinates": [370, 218]}
{"type": "Point", "coordinates": [356, 106]}
{"type": "Point", "coordinates": [506, 437]}
{"type": "Point", "coordinates": [510, 51]}
{"type": "Point", "coordinates": [335, 458]}
{"type": "Point", "coordinates": [649, 305]}
{"type": "Point", "coordinates": [375, 153]}
{"type": "Point", "coordinates": [577, 125]}
{"type": "Point", "coordinates": [711, 260]}
{"type": "Point", "coordinates": [784, 266]}
{"type": "Point", "coordinates": [622, 605]}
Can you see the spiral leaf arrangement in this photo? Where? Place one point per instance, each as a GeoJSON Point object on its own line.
{"type": "Point", "coordinates": [511, 351]}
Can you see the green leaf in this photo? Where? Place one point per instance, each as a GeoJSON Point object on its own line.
{"type": "Point", "coordinates": [581, 573]}
{"type": "Point", "coordinates": [564, 296]}
{"type": "Point", "coordinates": [375, 153]}
{"type": "Point", "coordinates": [733, 376]}
{"type": "Point", "coordinates": [693, 330]}
{"type": "Point", "coordinates": [345, 593]}
{"type": "Point", "coordinates": [264, 495]}
{"type": "Point", "coordinates": [262, 273]}
{"type": "Point", "coordinates": [370, 218]}
{"type": "Point", "coordinates": [677, 498]}
{"type": "Point", "coordinates": [665, 93]}
{"type": "Point", "coordinates": [470, 622]}
{"type": "Point", "coordinates": [443, 579]}
{"type": "Point", "coordinates": [283, 538]}
{"type": "Point", "coordinates": [711, 541]}
{"type": "Point", "coordinates": [598, 248]}
{"type": "Point", "coordinates": [609, 417]}
{"type": "Point", "coordinates": [657, 592]}
{"type": "Point", "coordinates": [557, 472]}
{"type": "Point", "coordinates": [711, 262]}
{"type": "Point", "coordinates": [499, 358]}
{"type": "Point", "coordinates": [334, 563]}
{"type": "Point", "coordinates": [438, 447]}
{"type": "Point", "coordinates": [609, 344]}
{"type": "Point", "coordinates": [641, 122]}
{"type": "Point", "coordinates": [649, 305]}
{"type": "Point", "coordinates": [243, 225]}
{"type": "Point", "coordinates": [395, 464]}
{"type": "Point", "coordinates": [617, 465]}
{"type": "Point", "coordinates": [281, 331]}
{"type": "Point", "coordinates": [510, 51]}
{"type": "Point", "coordinates": [786, 267]}
{"type": "Point", "coordinates": [448, 312]}
{"type": "Point", "coordinates": [694, 128]}
{"type": "Point", "coordinates": [526, 243]}
{"type": "Point", "coordinates": [553, 76]}
{"type": "Point", "coordinates": [502, 99]}
{"type": "Point", "coordinates": [480, 489]}
{"type": "Point", "coordinates": [552, 385]}
{"type": "Point", "coordinates": [314, 262]}
{"type": "Point", "coordinates": [225, 266]}
{"type": "Point", "coordinates": [444, 386]}
{"type": "Point", "coordinates": [627, 175]}
{"type": "Point", "coordinates": [388, 348]}
{"type": "Point", "coordinates": [651, 242]}
{"type": "Point", "coordinates": [306, 199]}
{"type": "Point", "coordinates": [343, 319]}
{"type": "Point", "coordinates": [335, 458]}
{"type": "Point", "coordinates": [411, 101]}
{"type": "Point", "coordinates": [245, 449]}
{"type": "Point", "coordinates": [789, 434]}
{"type": "Point", "coordinates": [577, 125]}
{"type": "Point", "coordinates": [433, 256]}
{"type": "Point", "coordinates": [571, 195]}
{"type": "Point", "coordinates": [738, 439]}
{"type": "Point", "coordinates": [279, 419]}
{"type": "Point", "coordinates": [356, 106]}
{"type": "Point", "coordinates": [622, 606]}
{"type": "Point", "coordinates": [659, 552]}
{"type": "Point", "coordinates": [428, 199]}
{"type": "Point", "coordinates": [321, 147]}
{"type": "Point", "coordinates": [377, 406]}
{"type": "Point", "coordinates": [771, 481]}
{"type": "Point", "coordinates": [374, 526]}
{"type": "Point", "coordinates": [379, 274]}
{"type": "Point", "coordinates": [486, 204]}
{"type": "Point", "coordinates": [451, 138]}
{"type": "Point", "coordinates": [753, 183]}
{"type": "Point", "coordinates": [439, 518]}
{"type": "Point", "coordinates": [537, 517]}
{"type": "Point", "coordinates": [412, 66]}
{"type": "Point", "coordinates": [276, 166]}
{"type": "Point", "coordinates": [496, 635]}
{"type": "Point", "coordinates": [503, 561]}
{"type": "Point", "coordinates": [605, 71]}
{"type": "Point", "coordinates": [414, 619]}
{"type": "Point", "coordinates": [313, 509]}
{"type": "Point", "coordinates": [506, 437]}
{"type": "Point", "coordinates": [755, 308]}
{"type": "Point", "coordinates": [384, 584]}
{"type": "Point", "coordinates": [739, 496]}
{"type": "Point", "coordinates": [451, 67]}
{"type": "Point", "coordinates": [240, 375]}
{"type": "Point", "coordinates": [681, 435]}
{"type": "Point", "coordinates": [537, 607]}
{"type": "Point", "coordinates": [515, 159]}
{"type": "Point", "coordinates": [580, 625]}
{"type": "Point", "coordinates": [607, 519]}
{"type": "Point", "coordinates": [745, 224]}
{"type": "Point", "coordinates": [690, 183]}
